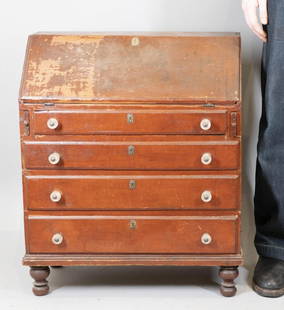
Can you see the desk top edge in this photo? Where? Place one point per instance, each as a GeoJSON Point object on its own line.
{"type": "Point", "coordinates": [140, 33]}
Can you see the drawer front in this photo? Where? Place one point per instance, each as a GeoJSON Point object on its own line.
{"type": "Point", "coordinates": [148, 234]}
{"type": "Point", "coordinates": [128, 155]}
{"type": "Point", "coordinates": [158, 192]}
{"type": "Point", "coordinates": [129, 122]}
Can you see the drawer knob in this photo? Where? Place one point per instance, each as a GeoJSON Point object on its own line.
{"type": "Point", "coordinates": [205, 124]}
{"type": "Point", "coordinates": [52, 123]}
{"type": "Point", "coordinates": [206, 158]}
{"type": "Point", "coordinates": [57, 239]}
{"type": "Point", "coordinates": [206, 196]}
{"type": "Point", "coordinates": [206, 238]}
{"type": "Point", "coordinates": [54, 158]}
{"type": "Point", "coordinates": [55, 196]}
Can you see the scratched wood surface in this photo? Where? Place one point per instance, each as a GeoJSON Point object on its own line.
{"type": "Point", "coordinates": [125, 67]}
{"type": "Point", "coordinates": [145, 155]}
{"type": "Point", "coordinates": [114, 192]}
{"type": "Point", "coordinates": [129, 109]}
{"type": "Point", "coordinates": [141, 122]}
{"type": "Point", "coordinates": [156, 234]}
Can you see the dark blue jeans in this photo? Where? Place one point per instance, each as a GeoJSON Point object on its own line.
{"type": "Point", "coordinates": [269, 178]}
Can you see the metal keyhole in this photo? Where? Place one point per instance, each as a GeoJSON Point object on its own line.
{"type": "Point", "coordinates": [131, 150]}
{"type": "Point", "coordinates": [130, 118]}
{"type": "Point", "coordinates": [132, 224]}
{"type": "Point", "coordinates": [132, 184]}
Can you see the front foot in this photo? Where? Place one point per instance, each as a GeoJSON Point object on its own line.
{"type": "Point", "coordinates": [228, 275]}
{"type": "Point", "coordinates": [40, 285]}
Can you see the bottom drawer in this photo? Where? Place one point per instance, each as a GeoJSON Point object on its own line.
{"type": "Point", "coordinates": [132, 234]}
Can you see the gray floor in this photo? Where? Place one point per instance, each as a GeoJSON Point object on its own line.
{"type": "Point", "coordinates": [121, 288]}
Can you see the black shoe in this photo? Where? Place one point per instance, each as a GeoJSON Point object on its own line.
{"type": "Point", "coordinates": [268, 278]}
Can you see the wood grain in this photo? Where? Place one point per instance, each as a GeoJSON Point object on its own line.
{"type": "Point", "coordinates": [129, 122]}
{"type": "Point", "coordinates": [153, 192]}
{"type": "Point", "coordinates": [115, 234]}
{"type": "Point", "coordinates": [146, 156]}
{"type": "Point", "coordinates": [133, 259]}
{"type": "Point", "coordinates": [132, 68]}
{"type": "Point", "coordinates": [129, 108]}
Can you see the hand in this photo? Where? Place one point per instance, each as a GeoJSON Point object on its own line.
{"type": "Point", "coordinates": [249, 8]}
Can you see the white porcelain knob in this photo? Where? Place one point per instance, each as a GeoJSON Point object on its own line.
{"type": "Point", "coordinates": [206, 196]}
{"type": "Point", "coordinates": [55, 196]}
{"type": "Point", "coordinates": [57, 239]}
{"type": "Point", "coordinates": [206, 238]}
{"type": "Point", "coordinates": [205, 124]}
{"type": "Point", "coordinates": [52, 123]}
{"type": "Point", "coordinates": [206, 158]}
{"type": "Point", "coordinates": [54, 158]}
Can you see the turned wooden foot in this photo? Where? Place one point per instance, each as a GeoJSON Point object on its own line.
{"type": "Point", "coordinates": [40, 285]}
{"type": "Point", "coordinates": [228, 275]}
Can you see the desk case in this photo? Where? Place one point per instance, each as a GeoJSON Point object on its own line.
{"type": "Point", "coordinates": [131, 151]}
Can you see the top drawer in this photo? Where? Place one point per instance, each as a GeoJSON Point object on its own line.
{"type": "Point", "coordinates": [129, 122]}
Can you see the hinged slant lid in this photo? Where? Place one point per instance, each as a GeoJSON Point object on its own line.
{"type": "Point", "coordinates": [132, 67]}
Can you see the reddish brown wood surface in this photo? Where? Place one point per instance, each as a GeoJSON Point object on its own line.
{"type": "Point", "coordinates": [30, 113]}
{"type": "Point", "coordinates": [129, 122]}
{"type": "Point", "coordinates": [156, 192]}
{"type": "Point", "coordinates": [133, 259]}
{"type": "Point", "coordinates": [228, 275]}
{"type": "Point", "coordinates": [141, 67]}
{"type": "Point", "coordinates": [40, 284]}
{"type": "Point", "coordinates": [168, 83]}
{"type": "Point", "coordinates": [147, 155]}
{"type": "Point", "coordinates": [106, 234]}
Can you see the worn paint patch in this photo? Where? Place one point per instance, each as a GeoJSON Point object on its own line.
{"type": "Point", "coordinates": [70, 70]}
{"type": "Point", "coordinates": [75, 40]}
{"type": "Point", "coordinates": [109, 68]}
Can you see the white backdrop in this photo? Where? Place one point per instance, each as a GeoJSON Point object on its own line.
{"type": "Point", "coordinates": [20, 18]}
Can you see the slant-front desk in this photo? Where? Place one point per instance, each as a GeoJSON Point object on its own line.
{"type": "Point", "coordinates": [131, 151]}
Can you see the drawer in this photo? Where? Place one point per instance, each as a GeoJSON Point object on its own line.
{"type": "Point", "coordinates": [125, 234]}
{"type": "Point", "coordinates": [128, 192]}
{"type": "Point", "coordinates": [132, 155]}
{"type": "Point", "coordinates": [129, 122]}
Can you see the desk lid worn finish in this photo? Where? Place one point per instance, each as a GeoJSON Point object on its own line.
{"type": "Point", "coordinates": [132, 67]}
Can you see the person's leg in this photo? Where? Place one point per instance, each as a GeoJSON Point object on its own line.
{"type": "Point", "coordinates": [269, 179]}
{"type": "Point", "coordinates": [269, 183]}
